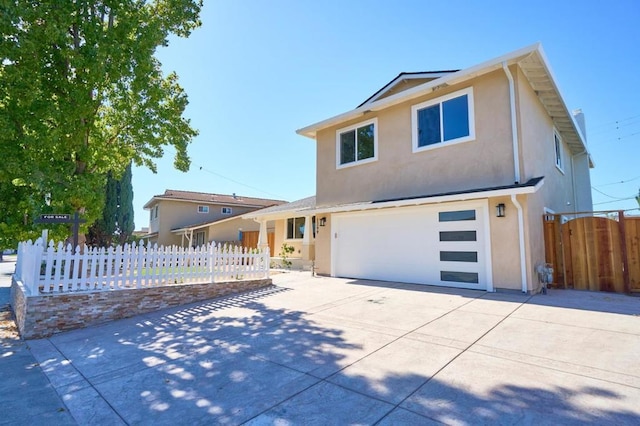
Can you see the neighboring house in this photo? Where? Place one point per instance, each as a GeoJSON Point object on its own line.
{"type": "Point", "coordinates": [443, 178]}
{"type": "Point", "coordinates": [186, 218]}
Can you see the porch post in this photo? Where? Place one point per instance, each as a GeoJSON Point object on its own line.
{"type": "Point", "coordinates": [306, 238]}
{"type": "Point", "coordinates": [263, 242]}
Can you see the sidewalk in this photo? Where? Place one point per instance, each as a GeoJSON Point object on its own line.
{"type": "Point", "coordinates": [25, 391]}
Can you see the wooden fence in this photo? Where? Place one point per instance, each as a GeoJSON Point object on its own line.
{"type": "Point", "coordinates": [250, 240]}
{"type": "Point", "coordinates": [56, 269]}
{"type": "Point", "coordinates": [596, 252]}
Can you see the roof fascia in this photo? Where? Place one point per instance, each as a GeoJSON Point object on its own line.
{"type": "Point", "coordinates": [283, 214]}
{"type": "Point", "coordinates": [434, 200]}
{"type": "Point", "coordinates": [207, 224]}
{"type": "Point", "coordinates": [218, 203]}
{"type": "Point", "coordinates": [454, 78]}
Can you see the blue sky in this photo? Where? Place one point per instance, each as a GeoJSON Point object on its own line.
{"type": "Point", "coordinates": [256, 71]}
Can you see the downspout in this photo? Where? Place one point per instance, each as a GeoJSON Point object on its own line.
{"type": "Point", "coordinates": [516, 173]}
{"type": "Point", "coordinates": [523, 265]}
{"type": "Point", "coordinates": [514, 124]}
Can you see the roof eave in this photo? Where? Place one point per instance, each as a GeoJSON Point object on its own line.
{"type": "Point", "coordinates": [433, 200]}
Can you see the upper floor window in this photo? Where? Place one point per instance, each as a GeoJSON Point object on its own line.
{"type": "Point", "coordinates": [448, 119]}
{"type": "Point", "coordinates": [357, 144]}
{"type": "Point", "coordinates": [557, 143]}
{"type": "Point", "coordinates": [154, 213]}
{"type": "Point", "coordinates": [203, 209]}
{"type": "Point", "coordinates": [227, 210]}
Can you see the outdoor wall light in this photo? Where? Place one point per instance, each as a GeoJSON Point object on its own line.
{"type": "Point", "coordinates": [322, 221]}
{"type": "Point", "coordinates": [500, 210]}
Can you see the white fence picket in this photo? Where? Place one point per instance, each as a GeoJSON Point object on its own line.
{"type": "Point", "coordinates": [58, 268]}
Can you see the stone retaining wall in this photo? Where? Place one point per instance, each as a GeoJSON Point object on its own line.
{"type": "Point", "coordinates": [44, 315]}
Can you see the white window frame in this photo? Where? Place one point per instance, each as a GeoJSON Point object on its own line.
{"type": "Point", "coordinates": [373, 121]}
{"type": "Point", "coordinates": [414, 120]}
{"type": "Point", "coordinates": [154, 212]}
{"type": "Point", "coordinates": [557, 149]}
{"type": "Point", "coordinates": [203, 209]}
{"type": "Point", "coordinates": [226, 210]}
{"type": "Point", "coordinates": [286, 228]}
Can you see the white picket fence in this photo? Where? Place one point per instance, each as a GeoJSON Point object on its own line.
{"type": "Point", "coordinates": [59, 269]}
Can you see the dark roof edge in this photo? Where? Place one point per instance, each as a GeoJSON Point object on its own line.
{"type": "Point", "coordinates": [529, 183]}
{"type": "Point", "coordinates": [412, 73]}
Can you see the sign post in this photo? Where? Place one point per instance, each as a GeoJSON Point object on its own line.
{"type": "Point", "coordinates": [64, 218]}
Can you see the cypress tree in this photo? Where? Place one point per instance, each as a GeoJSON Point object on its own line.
{"type": "Point", "coordinates": [124, 215]}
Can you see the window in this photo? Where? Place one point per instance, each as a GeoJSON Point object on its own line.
{"type": "Point", "coordinates": [459, 277]}
{"type": "Point", "coordinates": [203, 209]}
{"type": "Point", "coordinates": [456, 216]}
{"type": "Point", "coordinates": [227, 210]}
{"type": "Point", "coordinates": [154, 213]}
{"type": "Point", "coordinates": [357, 144]}
{"type": "Point", "coordinates": [558, 148]}
{"type": "Point", "coordinates": [295, 228]}
{"type": "Point", "coordinates": [459, 256]}
{"type": "Point", "coordinates": [458, 236]}
{"type": "Point", "coordinates": [448, 119]}
{"type": "Point", "coordinates": [198, 239]}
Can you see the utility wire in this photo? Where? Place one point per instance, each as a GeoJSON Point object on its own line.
{"type": "Point", "coordinates": [617, 183]}
{"type": "Point", "coordinates": [614, 201]}
{"type": "Point", "coordinates": [598, 126]}
{"type": "Point", "coordinates": [240, 183]}
{"type": "Point", "coordinates": [607, 195]}
{"type": "Point", "coordinates": [170, 148]}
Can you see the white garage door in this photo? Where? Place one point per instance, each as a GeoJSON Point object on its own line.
{"type": "Point", "coordinates": [443, 244]}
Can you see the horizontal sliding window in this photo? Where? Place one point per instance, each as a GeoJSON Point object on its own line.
{"type": "Point", "coordinates": [458, 236]}
{"type": "Point", "coordinates": [457, 215]}
{"type": "Point", "coordinates": [446, 119]}
{"type": "Point", "coordinates": [459, 256]}
{"type": "Point", "coordinates": [357, 144]}
{"type": "Point", "coordinates": [459, 277]}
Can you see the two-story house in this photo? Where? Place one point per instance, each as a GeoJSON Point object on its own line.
{"type": "Point", "coordinates": [443, 177]}
{"type": "Point", "coordinates": [186, 218]}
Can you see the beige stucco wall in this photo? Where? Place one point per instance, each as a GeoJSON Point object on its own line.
{"type": "Point", "coordinates": [280, 234]}
{"type": "Point", "coordinates": [280, 238]}
{"type": "Point", "coordinates": [176, 214]}
{"type": "Point", "coordinates": [398, 172]}
{"type": "Point", "coordinates": [538, 150]}
{"type": "Point", "coordinates": [228, 230]}
{"type": "Point", "coordinates": [323, 248]}
{"type": "Point", "coordinates": [505, 260]}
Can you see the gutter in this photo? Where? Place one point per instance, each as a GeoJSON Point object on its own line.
{"type": "Point", "coordinates": [523, 265]}
{"type": "Point", "coordinates": [516, 173]}
{"type": "Point", "coordinates": [514, 124]}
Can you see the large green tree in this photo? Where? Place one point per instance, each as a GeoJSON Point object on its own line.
{"type": "Point", "coordinates": [81, 95]}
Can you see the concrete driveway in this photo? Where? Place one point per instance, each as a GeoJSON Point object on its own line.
{"type": "Point", "coordinates": [336, 351]}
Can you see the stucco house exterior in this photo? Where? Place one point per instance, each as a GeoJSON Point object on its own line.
{"type": "Point", "coordinates": [443, 177]}
{"type": "Point", "coordinates": [186, 218]}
